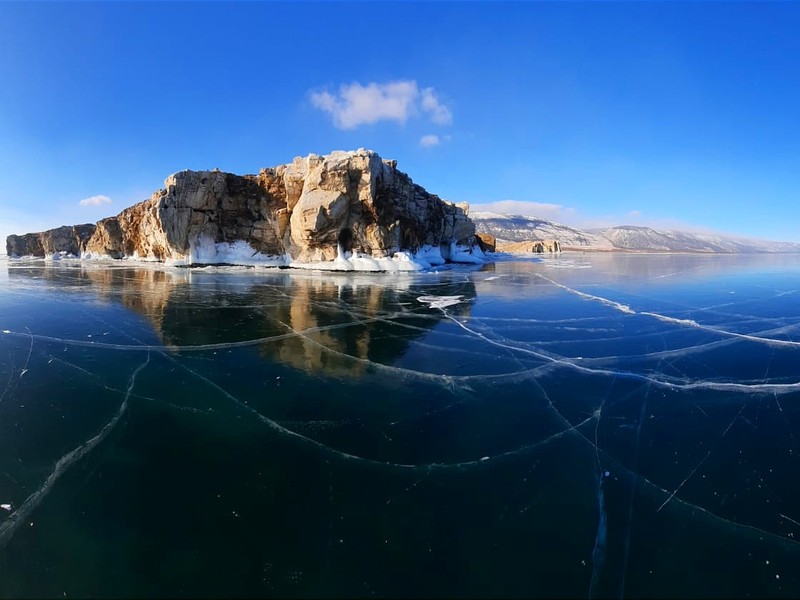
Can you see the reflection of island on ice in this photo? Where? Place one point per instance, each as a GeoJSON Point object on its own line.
{"type": "Point", "coordinates": [336, 324]}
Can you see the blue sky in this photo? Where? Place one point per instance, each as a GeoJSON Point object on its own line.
{"type": "Point", "coordinates": [682, 114]}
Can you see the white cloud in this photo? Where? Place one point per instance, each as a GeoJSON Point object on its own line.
{"type": "Point", "coordinates": [635, 213]}
{"type": "Point", "coordinates": [438, 112]}
{"type": "Point", "coordinates": [356, 104]}
{"type": "Point", "coordinates": [429, 140]}
{"type": "Point", "coordinates": [95, 201]}
{"type": "Point", "coordinates": [543, 210]}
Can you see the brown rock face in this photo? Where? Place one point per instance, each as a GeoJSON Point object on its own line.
{"type": "Point", "coordinates": [486, 241]}
{"type": "Point", "coordinates": [536, 246]}
{"type": "Point", "coordinates": [363, 203]}
{"type": "Point", "coordinates": [69, 239]}
{"type": "Point", "coordinates": [305, 210]}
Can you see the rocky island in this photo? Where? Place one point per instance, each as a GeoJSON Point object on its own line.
{"type": "Point", "coordinates": [344, 211]}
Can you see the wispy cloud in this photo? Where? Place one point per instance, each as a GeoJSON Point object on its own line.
{"type": "Point", "coordinates": [95, 201]}
{"type": "Point", "coordinates": [356, 104]}
{"type": "Point", "coordinates": [543, 210]}
{"type": "Point", "coordinates": [437, 111]}
{"type": "Point", "coordinates": [574, 217]}
{"type": "Point", "coordinates": [429, 140]}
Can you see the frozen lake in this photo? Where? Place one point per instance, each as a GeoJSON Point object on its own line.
{"type": "Point", "coordinates": [587, 425]}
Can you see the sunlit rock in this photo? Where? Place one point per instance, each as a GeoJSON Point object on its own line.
{"type": "Point", "coordinates": [486, 241]}
{"type": "Point", "coordinates": [67, 240]}
{"type": "Point", "coordinates": [313, 209]}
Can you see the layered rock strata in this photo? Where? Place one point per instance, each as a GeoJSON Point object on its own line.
{"type": "Point", "coordinates": [313, 209]}
{"type": "Point", "coordinates": [68, 239]}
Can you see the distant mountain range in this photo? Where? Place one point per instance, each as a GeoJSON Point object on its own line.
{"type": "Point", "coordinates": [517, 228]}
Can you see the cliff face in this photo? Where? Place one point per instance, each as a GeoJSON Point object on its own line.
{"type": "Point", "coordinates": [304, 210]}
{"type": "Point", "coordinates": [69, 239]}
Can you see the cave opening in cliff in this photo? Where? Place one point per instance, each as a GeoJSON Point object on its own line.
{"type": "Point", "coordinates": [409, 235]}
{"type": "Point", "coordinates": [345, 240]}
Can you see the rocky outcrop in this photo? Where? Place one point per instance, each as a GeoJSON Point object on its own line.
{"type": "Point", "coordinates": [535, 246]}
{"type": "Point", "coordinates": [68, 239]}
{"type": "Point", "coordinates": [305, 211]}
{"type": "Point", "coordinates": [486, 241]}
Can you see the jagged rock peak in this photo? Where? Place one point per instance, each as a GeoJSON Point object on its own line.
{"type": "Point", "coordinates": [312, 209]}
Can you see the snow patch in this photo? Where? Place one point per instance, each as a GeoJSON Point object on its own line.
{"type": "Point", "coordinates": [431, 255]}
{"type": "Point", "coordinates": [440, 301]}
{"type": "Point", "coordinates": [96, 256]}
{"type": "Point", "coordinates": [59, 256]}
{"type": "Point", "coordinates": [466, 254]}
{"type": "Point", "coordinates": [348, 261]}
{"type": "Point", "coordinates": [205, 251]}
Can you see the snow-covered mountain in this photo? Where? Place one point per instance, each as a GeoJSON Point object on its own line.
{"type": "Point", "coordinates": [517, 228]}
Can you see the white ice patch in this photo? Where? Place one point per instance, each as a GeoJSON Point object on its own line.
{"type": "Point", "coordinates": [347, 261]}
{"type": "Point", "coordinates": [440, 301]}
{"type": "Point", "coordinates": [6, 506]}
{"type": "Point", "coordinates": [204, 251]}
{"type": "Point", "coordinates": [239, 252]}
{"type": "Point", "coordinates": [59, 256]}
{"type": "Point", "coordinates": [432, 255]}
{"type": "Point", "coordinates": [96, 256]}
{"type": "Point", "coordinates": [465, 254]}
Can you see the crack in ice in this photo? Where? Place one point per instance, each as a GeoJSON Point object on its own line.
{"type": "Point", "coordinates": [20, 515]}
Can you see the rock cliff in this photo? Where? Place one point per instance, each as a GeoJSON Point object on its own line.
{"type": "Point", "coordinates": [486, 241]}
{"type": "Point", "coordinates": [302, 212]}
{"type": "Point", "coordinates": [68, 239]}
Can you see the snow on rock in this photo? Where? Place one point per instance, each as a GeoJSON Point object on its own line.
{"type": "Point", "coordinates": [347, 261]}
{"type": "Point", "coordinates": [239, 252]}
{"type": "Point", "coordinates": [301, 213]}
{"type": "Point", "coordinates": [458, 253]}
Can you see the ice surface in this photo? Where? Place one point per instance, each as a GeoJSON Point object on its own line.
{"type": "Point", "coordinates": [633, 408]}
